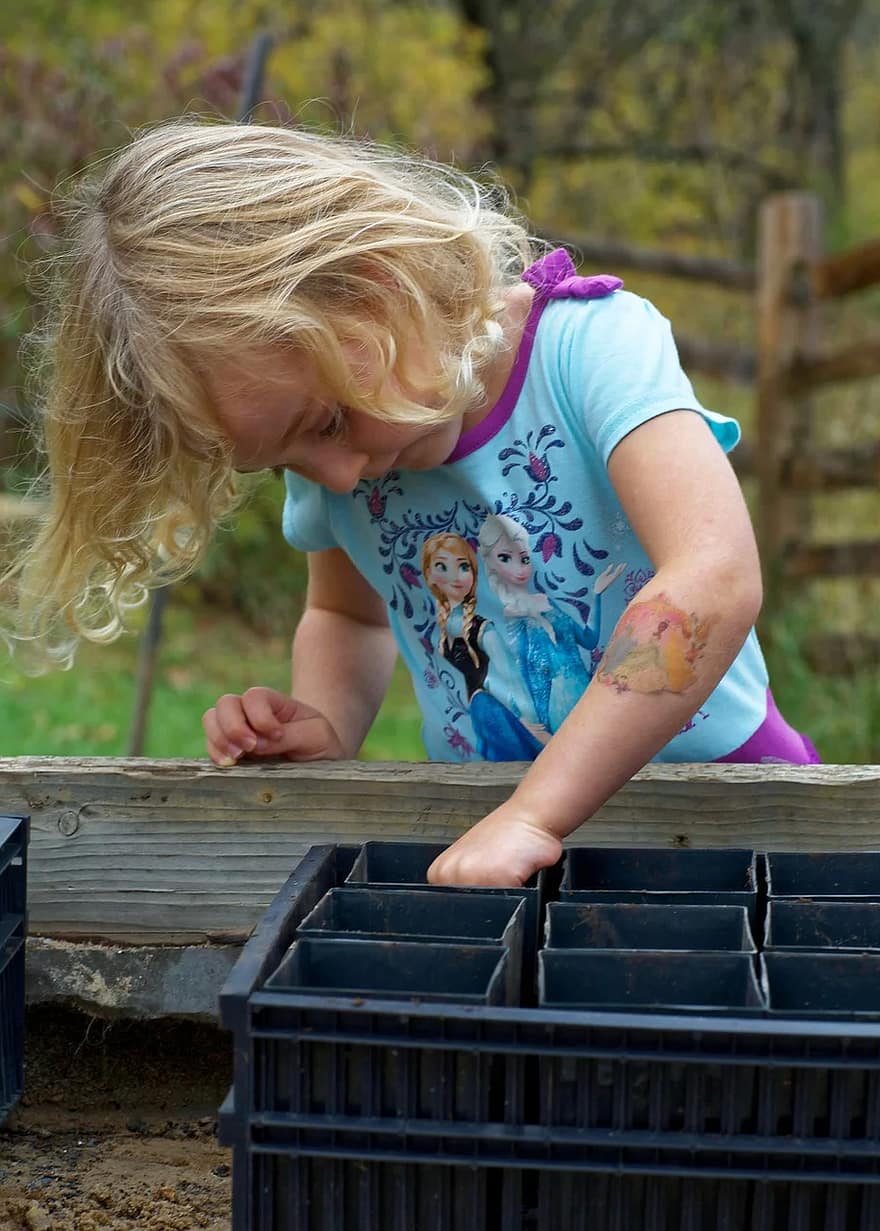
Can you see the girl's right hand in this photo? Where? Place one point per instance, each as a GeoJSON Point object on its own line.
{"type": "Point", "coordinates": [263, 722]}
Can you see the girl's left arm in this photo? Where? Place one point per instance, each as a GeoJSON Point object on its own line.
{"type": "Point", "coordinates": [668, 651]}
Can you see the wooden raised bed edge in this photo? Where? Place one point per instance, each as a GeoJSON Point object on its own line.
{"type": "Point", "coordinates": [145, 877]}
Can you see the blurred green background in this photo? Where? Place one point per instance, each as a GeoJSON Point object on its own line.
{"type": "Point", "coordinates": [657, 124]}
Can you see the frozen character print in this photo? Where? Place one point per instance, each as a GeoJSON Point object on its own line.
{"type": "Point", "coordinates": [469, 643]}
{"type": "Point", "coordinates": [547, 642]}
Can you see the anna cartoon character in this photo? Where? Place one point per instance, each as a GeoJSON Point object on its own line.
{"type": "Point", "coordinates": [469, 643]}
{"type": "Point", "coordinates": [548, 643]}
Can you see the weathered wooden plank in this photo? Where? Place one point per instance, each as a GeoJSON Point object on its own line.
{"type": "Point", "coordinates": [179, 852]}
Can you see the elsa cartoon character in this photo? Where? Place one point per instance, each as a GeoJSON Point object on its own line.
{"type": "Point", "coordinates": [548, 643]}
{"type": "Point", "coordinates": [467, 641]}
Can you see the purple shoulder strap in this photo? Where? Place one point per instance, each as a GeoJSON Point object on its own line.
{"type": "Point", "coordinates": [553, 277]}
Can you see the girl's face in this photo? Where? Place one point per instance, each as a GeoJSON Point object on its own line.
{"type": "Point", "coordinates": [276, 414]}
{"type": "Point", "coordinates": [274, 409]}
{"type": "Point", "coordinates": [510, 561]}
{"type": "Point", "coordinates": [451, 575]}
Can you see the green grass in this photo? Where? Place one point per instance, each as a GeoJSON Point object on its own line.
{"type": "Point", "coordinates": [840, 713]}
{"type": "Point", "coordinates": [87, 711]}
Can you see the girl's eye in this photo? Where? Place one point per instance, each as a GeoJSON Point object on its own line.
{"type": "Point", "coordinates": [334, 427]}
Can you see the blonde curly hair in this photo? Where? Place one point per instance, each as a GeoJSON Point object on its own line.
{"type": "Point", "coordinates": [195, 241]}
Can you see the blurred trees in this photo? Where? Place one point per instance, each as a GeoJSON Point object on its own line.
{"type": "Point", "coordinates": [660, 122]}
{"type": "Point", "coordinates": [751, 94]}
{"type": "Point", "coordinates": [818, 36]}
{"type": "Point", "coordinates": [78, 75]}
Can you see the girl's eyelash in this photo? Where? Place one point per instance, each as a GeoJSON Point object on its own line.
{"type": "Point", "coordinates": [335, 427]}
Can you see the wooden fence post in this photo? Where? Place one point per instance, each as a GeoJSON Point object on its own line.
{"type": "Point", "coordinates": [790, 242]}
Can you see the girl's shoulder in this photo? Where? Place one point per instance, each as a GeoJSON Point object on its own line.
{"type": "Point", "coordinates": [612, 364]}
{"type": "Point", "coordinates": [594, 305]}
{"type": "Point", "coordinates": [616, 320]}
{"type": "Point", "coordinates": [621, 339]}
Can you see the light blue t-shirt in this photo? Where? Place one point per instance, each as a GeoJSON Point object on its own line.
{"type": "Point", "coordinates": [488, 564]}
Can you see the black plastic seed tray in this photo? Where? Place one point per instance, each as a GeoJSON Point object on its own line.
{"type": "Point", "coordinates": [660, 1104]}
{"type": "Point", "coordinates": [404, 865]}
{"type": "Point", "coordinates": [386, 968]}
{"type": "Point", "coordinates": [276, 1071]}
{"type": "Point", "coordinates": [449, 918]}
{"type": "Point", "coordinates": [13, 921]}
{"type": "Point", "coordinates": [668, 982]}
{"type": "Point", "coordinates": [396, 1114]}
{"type": "Point", "coordinates": [853, 875]}
{"type": "Point", "coordinates": [365, 914]}
{"type": "Point", "coordinates": [661, 876]}
{"type": "Point", "coordinates": [822, 985]}
{"type": "Point", "coordinates": [394, 863]}
{"type": "Point", "coordinates": [822, 925]}
{"type": "Point", "coordinates": [684, 1203]}
{"type": "Point", "coordinates": [583, 925]}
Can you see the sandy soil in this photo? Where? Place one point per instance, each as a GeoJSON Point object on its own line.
{"type": "Point", "coordinates": [117, 1128]}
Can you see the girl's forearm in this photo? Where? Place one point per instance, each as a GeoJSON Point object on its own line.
{"type": "Point", "coordinates": [668, 651]}
{"type": "Point", "coordinates": [342, 667]}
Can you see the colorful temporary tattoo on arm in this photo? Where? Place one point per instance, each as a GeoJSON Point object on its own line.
{"type": "Point", "coordinates": [655, 648]}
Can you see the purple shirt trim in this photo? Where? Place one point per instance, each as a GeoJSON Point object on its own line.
{"type": "Point", "coordinates": [774, 741]}
{"type": "Point", "coordinates": [553, 277]}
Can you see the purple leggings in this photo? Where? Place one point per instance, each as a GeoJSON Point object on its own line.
{"type": "Point", "coordinates": [774, 740]}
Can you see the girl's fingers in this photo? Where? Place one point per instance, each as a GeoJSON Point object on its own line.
{"type": "Point", "coordinates": [264, 722]}
{"type": "Point", "coordinates": [267, 711]}
{"type": "Point", "coordinates": [221, 751]}
{"type": "Point", "coordinates": [232, 725]}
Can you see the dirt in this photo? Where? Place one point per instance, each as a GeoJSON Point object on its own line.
{"type": "Point", "coordinates": [117, 1128]}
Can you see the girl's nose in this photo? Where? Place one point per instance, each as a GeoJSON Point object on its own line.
{"type": "Point", "coordinates": [340, 469]}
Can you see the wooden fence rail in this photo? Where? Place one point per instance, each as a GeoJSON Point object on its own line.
{"type": "Point", "coordinates": [860, 361]}
{"type": "Point", "coordinates": [854, 270]}
{"type": "Point", "coordinates": [715, 270]}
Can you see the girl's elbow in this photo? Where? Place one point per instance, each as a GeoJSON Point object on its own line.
{"type": "Point", "coordinates": [751, 595]}
{"type": "Point", "coordinates": [745, 596]}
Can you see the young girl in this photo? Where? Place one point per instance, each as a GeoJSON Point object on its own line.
{"type": "Point", "coordinates": [239, 297]}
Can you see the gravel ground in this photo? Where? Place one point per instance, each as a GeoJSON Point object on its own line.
{"type": "Point", "coordinates": [117, 1128]}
